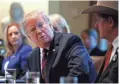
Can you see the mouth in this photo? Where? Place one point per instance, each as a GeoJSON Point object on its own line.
{"type": "Point", "coordinates": [14, 40]}
{"type": "Point", "coordinates": [42, 37]}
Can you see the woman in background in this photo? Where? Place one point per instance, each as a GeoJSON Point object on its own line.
{"type": "Point", "coordinates": [17, 49]}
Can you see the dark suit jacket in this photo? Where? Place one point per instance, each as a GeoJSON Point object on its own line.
{"type": "Point", "coordinates": [110, 75]}
{"type": "Point", "coordinates": [67, 57]}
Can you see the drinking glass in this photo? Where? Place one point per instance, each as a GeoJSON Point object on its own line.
{"type": "Point", "coordinates": [33, 77]}
{"type": "Point", "coordinates": [73, 80]}
{"type": "Point", "coordinates": [10, 76]}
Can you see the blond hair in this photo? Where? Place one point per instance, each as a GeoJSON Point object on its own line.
{"type": "Point", "coordinates": [9, 47]}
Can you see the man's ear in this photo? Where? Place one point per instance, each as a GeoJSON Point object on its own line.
{"type": "Point", "coordinates": [111, 21]}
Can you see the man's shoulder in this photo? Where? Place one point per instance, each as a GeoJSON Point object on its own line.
{"type": "Point", "coordinates": [67, 36]}
{"type": "Point", "coordinates": [67, 39]}
{"type": "Point", "coordinates": [34, 53]}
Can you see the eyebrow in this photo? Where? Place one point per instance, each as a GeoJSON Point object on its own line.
{"type": "Point", "coordinates": [32, 26]}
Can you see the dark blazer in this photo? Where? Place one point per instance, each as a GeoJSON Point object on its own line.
{"type": "Point", "coordinates": [110, 75]}
{"type": "Point", "coordinates": [19, 59]}
{"type": "Point", "coordinates": [67, 57]}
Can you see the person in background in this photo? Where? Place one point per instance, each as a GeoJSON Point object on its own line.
{"type": "Point", "coordinates": [106, 13]}
{"type": "Point", "coordinates": [59, 23]}
{"type": "Point", "coordinates": [16, 15]}
{"type": "Point", "coordinates": [90, 40]}
{"type": "Point", "coordinates": [63, 54]}
{"type": "Point", "coordinates": [96, 43]}
{"type": "Point", "coordinates": [17, 49]}
{"type": "Point", "coordinates": [86, 40]}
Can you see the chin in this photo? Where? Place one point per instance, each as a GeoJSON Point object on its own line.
{"type": "Point", "coordinates": [14, 44]}
{"type": "Point", "coordinates": [101, 35]}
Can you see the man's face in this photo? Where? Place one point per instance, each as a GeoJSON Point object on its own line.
{"type": "Point", "coordinates": [39, 31]}
{"type": "Point", "coordinates": [103, 25]}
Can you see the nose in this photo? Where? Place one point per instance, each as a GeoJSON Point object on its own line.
{"type": "Point", "coordinates": [96, 25]}
{"type": "Point", "coordinates": [13, 35]}
{"type": "Point", "coordinates": [39, 31]}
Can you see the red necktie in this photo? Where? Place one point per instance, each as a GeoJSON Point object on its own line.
{"type": "Point", "coordinates": [44, 61]}
{"type": "Point", "coordinates": [108, 55]}
{"type": "Point", "coordinates": [44, 58]}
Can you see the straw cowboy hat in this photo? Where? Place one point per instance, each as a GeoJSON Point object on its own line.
{"type": "Point", "coordinates": [103, 7]}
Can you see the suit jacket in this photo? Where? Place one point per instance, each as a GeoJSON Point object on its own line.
{"type": "Point", "coordinates": [110, 75]}
{"type": "Point", "coordinates": [19, 59]}
{"type": "Point", "coordinates": [67, 57]}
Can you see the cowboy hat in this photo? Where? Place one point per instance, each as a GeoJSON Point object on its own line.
{"type": "Point", "coordinates": [103, 7]}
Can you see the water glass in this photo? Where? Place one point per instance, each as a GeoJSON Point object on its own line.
{"type": "Point", "coordinates": [33, 77]}
{"type": "Point", "coordinates": [73, 80]}
{"type": "Point", "coordinates": [10, 76]}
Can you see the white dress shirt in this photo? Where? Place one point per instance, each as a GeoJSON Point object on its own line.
{"type": "Point", "coordinates": [115, 46]}
{"type": "Point", "coordinates": [41, 56]}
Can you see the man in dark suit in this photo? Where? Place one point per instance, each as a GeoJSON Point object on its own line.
{"type": "Point", "coordinates": [66, 55]}
{"type": "Point", "coordinates": [107, 22]}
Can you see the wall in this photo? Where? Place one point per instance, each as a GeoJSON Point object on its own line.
{"type": "Point", "coordinates": [71, 12]}
{"type": "Point", "coordinates": [28, 5]}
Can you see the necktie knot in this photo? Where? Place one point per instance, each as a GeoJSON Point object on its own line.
{"type": "Point", "coordinates": [45, 51]}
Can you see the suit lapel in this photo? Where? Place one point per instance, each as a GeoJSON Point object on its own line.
{"type": "Point", "coordinates": [51, 56]}
{"type": "Point", "coordinates": [100, 71]}
{"type": "Point", "coordinates": [103, 74]}
{"type": "Point", "coordinates": [38, 60]}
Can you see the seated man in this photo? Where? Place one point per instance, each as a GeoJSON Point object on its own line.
{"type": "Point", "coordinates": [106, 14]}
{"type": "Point", "coordinates": [66, 55]}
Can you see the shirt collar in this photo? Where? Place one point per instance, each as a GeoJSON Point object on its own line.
{"type": "Point", "coordinates": [115, 43]}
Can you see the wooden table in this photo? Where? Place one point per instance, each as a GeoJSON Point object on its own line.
{"type": "Point", "coordinates": [98, 60]}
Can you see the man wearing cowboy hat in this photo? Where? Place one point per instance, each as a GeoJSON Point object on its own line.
{"type": "Point", "coordinates": [106, 13]}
